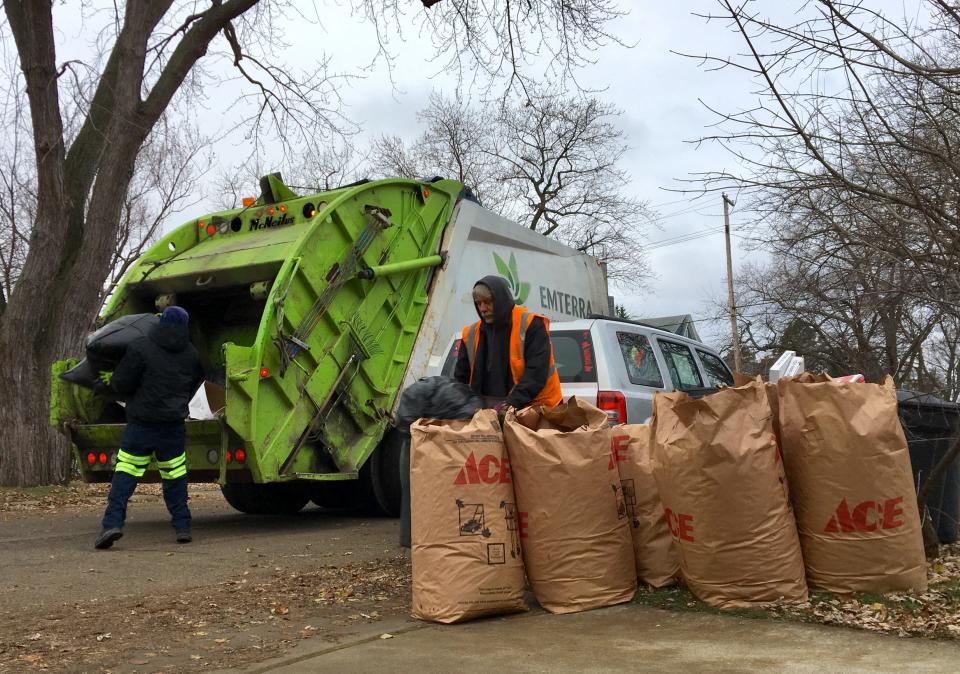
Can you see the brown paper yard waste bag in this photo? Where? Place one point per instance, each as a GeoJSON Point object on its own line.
{"type": "Point", "coordinates": [653, 548]}
{"type": "Point", "coordinates": [721, 480]}
{"type": "Point", "coordinates": [465, 539]}
{"type": "Point", "coordinates": [850, 479]}
{"type": "Point", "coordinates": [576, 536]}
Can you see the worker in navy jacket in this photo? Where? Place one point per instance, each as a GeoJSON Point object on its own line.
{"type": "Point", "coordinates": [157, 376]}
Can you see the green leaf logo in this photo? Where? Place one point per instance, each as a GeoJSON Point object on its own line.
{"type": "Point", "coordinates": [508, 272]}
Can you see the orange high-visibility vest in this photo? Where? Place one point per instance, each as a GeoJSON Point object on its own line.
{"type": "Point", "coordinates": [550, 395]}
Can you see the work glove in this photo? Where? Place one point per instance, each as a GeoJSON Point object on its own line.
{"type": "Point", "coordinates": [106, 377]}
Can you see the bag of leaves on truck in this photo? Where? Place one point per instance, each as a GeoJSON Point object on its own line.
{"type": "Point", "coordinates": [465, 531]}
{"type": "Point", "coordinates": [106, 346]}
{"type": "Point", "coordinates": [576, 536]}
{"type": "Point", "coordinates": [654, 552]}
{"type": "Point", "coordinates": [720, 477]}
{"type": "Point", "coordinates": [849, 469]}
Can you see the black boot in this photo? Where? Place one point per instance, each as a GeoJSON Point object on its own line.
{"type": "Point", "coordinates": [107, 538]}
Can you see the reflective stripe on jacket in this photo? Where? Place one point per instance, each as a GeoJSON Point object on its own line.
{"type": "Point", "coordinates": [551, 394]}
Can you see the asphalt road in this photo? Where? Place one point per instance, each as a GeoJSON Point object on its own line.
{"type": "Point", "coordinates": [324, 591]}
{"type": "Point", "coordinates": [49, 558]}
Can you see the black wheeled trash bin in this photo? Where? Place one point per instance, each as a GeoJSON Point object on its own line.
{"type": "Point", "coordinates": [931, 426]}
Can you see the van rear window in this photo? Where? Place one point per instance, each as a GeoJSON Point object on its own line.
{"type": "Point", "coordinates": [573, 356]}
{"type": "Point", "coordinates": [717, 372]}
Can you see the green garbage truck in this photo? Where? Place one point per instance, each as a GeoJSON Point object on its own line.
{"type": "Point", "coordinates": [311, 313]}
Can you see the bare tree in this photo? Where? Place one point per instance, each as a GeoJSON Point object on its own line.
{"type": "Point", "coordinates": [560, 158]}
{"type": "Point", "coordinates": [324, 168]}
{"type": "Point", "coordinates": [502, 41]}
{"type": "Point", "coordinates": [166, 180]}
{"type": "Point", "coordinates": [79, 177]}
{"type": "Point", "coordinates": [882, 139]}
{"type": "Point", "coordinates": [456, 144]}
{"type": "Point", "coordinates": [17, 183]}
{"type": "Point", "coordinates": [551, 163]}
{"type": "Point", "coordinates": [89, 121]}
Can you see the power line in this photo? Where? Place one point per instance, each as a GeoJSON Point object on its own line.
{"type": "Point", "coordinates": [683, 238]}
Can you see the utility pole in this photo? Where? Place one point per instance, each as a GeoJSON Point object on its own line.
{"type": "Point", "coordinates": [734, 334]}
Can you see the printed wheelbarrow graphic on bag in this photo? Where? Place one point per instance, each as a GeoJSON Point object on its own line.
{"type": "Point", "coordinates": [465, 538]}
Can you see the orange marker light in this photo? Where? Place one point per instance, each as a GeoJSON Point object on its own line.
{"type": "Point", "coordinates": [426, 193]}
{"type": "Point", "coordinates": [211, 230]}
{"type": "Point", "coordinates": [264, 372]}
{"type": "Point", "coordinates": [201, 224]}
{"type": "Point", "coordinates": [270, 211]}
{"type": "Point", "coordinates": [283, 208]}
{"type": "Point", "coordinates": [248, 201]}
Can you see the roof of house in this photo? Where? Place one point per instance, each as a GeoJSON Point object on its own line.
{"type": "Point", "coordinates": [682, 324]}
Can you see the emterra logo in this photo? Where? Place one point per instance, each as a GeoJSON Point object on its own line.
{"type": "Point", "coordinates": [489, 469]}
{"type": "Point", "coordinates": [508, 271]}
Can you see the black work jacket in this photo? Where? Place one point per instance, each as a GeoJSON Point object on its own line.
{"type": "Point", "coordinates": [158, 375]}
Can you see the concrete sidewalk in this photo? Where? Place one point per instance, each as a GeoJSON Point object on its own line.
{"type": "Point", "coordinates": [626, 638]}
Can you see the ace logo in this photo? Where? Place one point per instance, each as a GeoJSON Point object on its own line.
{"type": "Point", "coordinates": [489, 469]}
{"type": "Point", "coordinates": [522, 523]}
{"type": "Point", "coordinates": [619, 444]}
{"type": "Point", "coordinates": [680, 525]}
{"type": "Point", "coordinates": [866, 516]}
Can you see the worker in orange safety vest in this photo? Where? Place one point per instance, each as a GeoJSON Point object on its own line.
{"type": "Point", "coordinates": [506, 356]}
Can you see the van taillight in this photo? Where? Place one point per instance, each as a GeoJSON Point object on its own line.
{"type": "Point", "coordinates": [614, 404]}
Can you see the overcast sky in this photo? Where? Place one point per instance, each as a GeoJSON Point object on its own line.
{"type": "Point", "coordinates": [658, 91]}
{"type": "Point", "coordinates": [659, 94]}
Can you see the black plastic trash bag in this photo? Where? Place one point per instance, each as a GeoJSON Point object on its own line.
{"type": "Point", "coordinates": [106, 346]}
{"type": "Point", "coordinates": [437, 398]}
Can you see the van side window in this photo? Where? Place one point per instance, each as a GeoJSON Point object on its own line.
{"type": "Point", "coordinates": [681, 365]}
{"type": "Point", "coordinates": [573, 356]}
{"type": "Point", "coordinates": [638, 356]}
{"type": "Point", "coordinates": [717, 372]}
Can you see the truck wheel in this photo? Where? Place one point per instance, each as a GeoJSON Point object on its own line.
{"type": "Point", "coordinates": [385, 473]}
{"type": "Point", "coordinates": [265, 499]}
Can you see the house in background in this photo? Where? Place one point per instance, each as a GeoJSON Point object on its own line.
{"type": "Point", "coordinates": [683, 325]}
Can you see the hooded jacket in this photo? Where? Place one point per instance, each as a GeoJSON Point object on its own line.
{"type": "Point", "coordinates": [491, 374]}
{"type": "Point", "coordinates": [158, 375]}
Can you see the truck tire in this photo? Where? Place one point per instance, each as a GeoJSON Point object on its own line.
{"type": "Point", "coordinates": [265, 499]}
{"type": "Point", "coordinates": [385, 473]}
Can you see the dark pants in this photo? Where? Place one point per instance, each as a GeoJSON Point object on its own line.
{"type": "Point", "coordinates": [139, 444]}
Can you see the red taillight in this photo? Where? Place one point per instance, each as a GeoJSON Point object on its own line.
{"type": "Point", "coordinates": [91, 458]}
{"type": "Point", "coordinates": [240, 456]}
{"type": "Point", "coordinates": [614, 404]}
{"type": "Point", "coordinates": [104, 458]}
{"type": "Point", "coordinates": [264, 373]}
{"type": "Point", "coordinates": [211, 230]}
{"type": "Point", "coordinates": [229, 456]}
